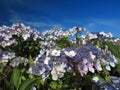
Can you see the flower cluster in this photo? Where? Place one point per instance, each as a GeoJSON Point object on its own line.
{"type": "Point", "coordinates": [59, 33]}
{"type": "Point", "coordinates": [90, 37]}
{"type": "Point", "coordinates": [7, 34]}
{"type": "Point", "coordinates": [5, 56]}
{"type": "Point", "coordinates": [86, 58]}
{"type": "Point", "coordinates": [40, 53]}
{"type": "Point", "coordinates": [113, 85]}
{"type": "Point", "coordinates": [16, 61]}
{"type": "Point", "coordinates": [89, 58]}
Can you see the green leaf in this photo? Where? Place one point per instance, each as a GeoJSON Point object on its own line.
{"type": "Point", "coordinates": [8, 85]}
{"type": "Point", "coordinates": [116, 70]}
{"type": "Point", "coordinates": [15, 77]}
{"type": "Point", "coordinates": [60, 84]}
{"type": "Point", "coordinates": [31, 59]}
{"type": "Point", "coordinates": [113, 48]}
{"type": "Point", "coordinates": [28, 84]}
{"type": "Point", "coordinates": [42, 82]}
{"type": "Point", "coordinates": [23, 78]}
{"type": "Point", "coordinates": [63, 42]}
{"type": "Point", "coordinates": [1, 70]}
{"type": "Point", "coordinates": [53, 85]}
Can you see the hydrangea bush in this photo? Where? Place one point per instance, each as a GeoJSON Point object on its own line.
{"type": "Point", "coordinates": [58, 59]}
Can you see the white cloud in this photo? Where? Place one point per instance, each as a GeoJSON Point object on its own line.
{"type": "Point", "coordinates": [72, 21]}
{"type": "Point", "coordinates": [15, 18]}
{"type": "Point", "coordinates": [106, 25]}
{"type": "Point", "coordinates": [111, 23]}
{"type": "Point", "coordinates": [42, 24]}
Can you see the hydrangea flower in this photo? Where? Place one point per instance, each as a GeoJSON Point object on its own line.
{"type": "Point", "coordinates": [20, 30]}
{"type": "Point", "coordinates": [58, 71]}
{"type": "Point", "coordinates": [70, 53]}
{"type": "Point", "coordinates": [55, 52]}
{"type": "Point", "coordinates": [114, 85]}
{"type": "Point", "coordinates": [88, 58]}
{"type": "Point", "coordinates": [17, 61]}
{"type": "Point", "coordinates": [5, 56]}
{"type": "Point", "coordinates": [91, 36]}
{"type": "Point", "coordinates": [46, 61]}
{"type": "Point", "coordinates": [98, 65]}
{"type": "Point", "coordinates": [95, 79]}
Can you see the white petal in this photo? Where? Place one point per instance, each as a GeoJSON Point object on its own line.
{"type": "Point", "coordinates": [108, 68]}
{"type": "Point", "coordinates": [55, 52]}
{"type": "Point", "coordinates": [42, 71]}
{"type": "Point", "coordinates": [91, 69]}
{"type": "Point", "coordinates": [54, 76]}
{"type": "Point", "coordinates": [46, 60]}
{"type": "Point", "coordinates": [112, 64]}
{"type": "Point", "coordinates": [114, 59]}
{"type": "Point", "coordinates": [60, 68]}
{"type": "Point", "coordinates": [30, 70]}
{"type": "Point", "coordinates": [85, 61]}
{"type": "Point", "coordinates": [99, 68]}
{"type": "Point", "coordinates": [96, 79]}
{"type": "Point", "coordinates": [92, 56]}
{"type": "Point", "coordinates": [85, 68]}
{"type": "Point", "coordinates": [70, 53]}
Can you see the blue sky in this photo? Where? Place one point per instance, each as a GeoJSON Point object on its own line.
{"type": "Point", "coordinates": [94, 15]}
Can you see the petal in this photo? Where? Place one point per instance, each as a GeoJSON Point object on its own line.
{"type": "Point", "coordinates": [108, 68]}
{"type": "Point", "coordinates": [72, 53]}
{"type": "Point", "coordinates": [55, 52]}
{"type": "Point", "coordinates": [114, 59]}
{"type": "Point", "coordinates": [112, 64]}
{"type": "Point", "coordinates": [85, 68]}
{"type": "Point", "coordinates": [61, 67]}
{"type": "Point", "coordinates": [96, 79]}
{"type": "Point", "coordinates": [85, 61]}
{"type": "Point", "coordinates": [53, 71]}
{"type": "Point", "coordinates": [61, 74]}
{"type": "Point", "coordinates": [92, 56]}
{"type": "Point", "coordinates": [99, 68]}
{"type": "Point", "coordinates": [54, 76]}
{"type": "Point", "coordinates": [42, 71]}
{"type": "Point", "coordinates": [46, 60]}
{"type": "Point", "coordinates": [91, 69]}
